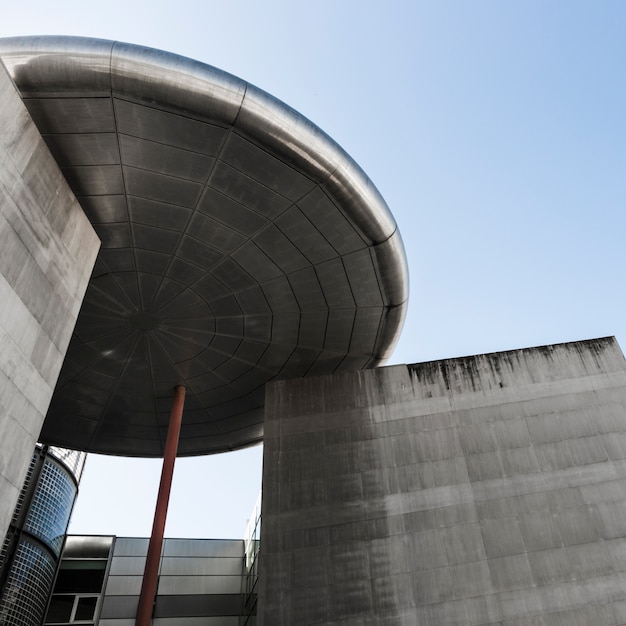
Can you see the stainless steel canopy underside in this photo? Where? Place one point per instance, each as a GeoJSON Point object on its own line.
{"type": "Point", "coordinates": [240, 244]}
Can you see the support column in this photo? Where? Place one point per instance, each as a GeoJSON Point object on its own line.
{"type": "Point", "coordinates": [151, 572]}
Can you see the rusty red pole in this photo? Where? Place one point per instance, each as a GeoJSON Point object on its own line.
{"type": "Point", "coordinates": [151, 572]}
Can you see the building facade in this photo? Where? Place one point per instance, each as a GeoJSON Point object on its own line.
{"type": "Point", "coordinates": [248, 259]}
{"type": "Point", "coordinates": [201, 582]}
{"type": "Point", "coordinates": [483, 490]}
{"type": "Point", "coordinates": [48, 251]}
{"type": "Point", "coordinates": [32, 548]}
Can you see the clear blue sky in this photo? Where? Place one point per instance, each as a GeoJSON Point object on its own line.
{"type": "Point", "coordinates": [495, 130]}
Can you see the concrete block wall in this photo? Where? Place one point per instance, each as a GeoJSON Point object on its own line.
{"type": "Point", "coordinates": [47, 252]}
{"type": "Point", "coordinates": [200, 583]}
{"type": "Point", "coordinates": [482, 490]}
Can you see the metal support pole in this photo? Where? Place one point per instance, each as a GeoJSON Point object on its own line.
{"type": "Point", "coordinates": [151, 572]}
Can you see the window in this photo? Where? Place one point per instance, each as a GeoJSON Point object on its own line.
{"type": "Point", "coordinates": [72, 609]}
{"type": "Point", "coordinates": [77, 591]}
{"type": "Point", "coordinates": [80, 576]}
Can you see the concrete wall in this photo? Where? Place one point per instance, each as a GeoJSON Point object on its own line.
{"type": "Point", "coordinates": [481, 490]}
{"type": "Point", "coordinates": [47, 251]}
{"type": "Point", "coordinates": [200, 582]}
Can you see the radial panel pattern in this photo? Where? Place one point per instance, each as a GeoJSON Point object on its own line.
{"type": "Point", "coordinates": [239, 244]}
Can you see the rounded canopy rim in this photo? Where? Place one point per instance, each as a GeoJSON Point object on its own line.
{"type": "Point", "coordinates": [48, 69]}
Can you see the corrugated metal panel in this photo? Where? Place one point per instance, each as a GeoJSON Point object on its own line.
{"type": "Point", "coordinates": [202, 547]}
{"type": "Point", "coordinates": [198, 605]}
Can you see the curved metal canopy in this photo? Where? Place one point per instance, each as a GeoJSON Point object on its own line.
{"type": "Point", "coordinates": [240, 245]}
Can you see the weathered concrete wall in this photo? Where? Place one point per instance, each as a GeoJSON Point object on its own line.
{"type": "Point", "coordinates": [47, 251]}
{"type": "Point", "coordinates": [481, 490]}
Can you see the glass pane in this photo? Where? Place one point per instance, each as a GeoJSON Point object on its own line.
{"type": "Point", "coordinates": [86, 608]}
{"type": "Point", "coordinates": [51, 506]}
{"type": "Point", "coordinates": [60, 609]}
{"type": "Point", "coordinates": [27, 586]}
{"type": "Point", "coordinates": [79, 581]}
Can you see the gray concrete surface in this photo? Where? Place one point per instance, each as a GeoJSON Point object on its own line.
{"type": "Point", "coordinates": [482, 490]}
{"type": "Point", "coordinates": [47, 251]}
